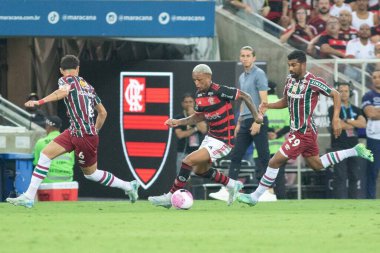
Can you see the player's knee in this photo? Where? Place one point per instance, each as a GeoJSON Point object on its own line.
{"type": "Point", "coordinates": [189, 161]}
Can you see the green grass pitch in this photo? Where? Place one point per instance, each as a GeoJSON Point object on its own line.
{"type": "Point", "coordinates": [210, 226]}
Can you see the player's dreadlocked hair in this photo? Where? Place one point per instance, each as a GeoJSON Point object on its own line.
{"type": "Point", "coordinates": [298, 55]}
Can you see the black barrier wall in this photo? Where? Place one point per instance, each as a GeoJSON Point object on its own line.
{"type": "Point", "coordinates": [105, 77]}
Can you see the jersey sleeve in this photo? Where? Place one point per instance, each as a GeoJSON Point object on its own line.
{"type": "Point", "coordinates": [97, 99]}
{"type": "Point", "coordinates": [367, 100]}
{"type": "Point", "coordinates": [226, 92]}
{"type": "Point", "coordinates": [319, 85]}
{"type": "Point", "coordinates": [64, 84]}
{"type": "Point", "coordinates": [322, 40]}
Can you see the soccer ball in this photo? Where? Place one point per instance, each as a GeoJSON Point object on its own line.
{"type": "Point", "coordinates": [182, 199]}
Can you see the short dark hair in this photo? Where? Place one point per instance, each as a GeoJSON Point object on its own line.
{"type": "Point", "coordinates": [69, 62]}
{"type": "Point", "coordinates": [298, 55]}
{"type": "Point", "coordinates": [338, 84]}
{"type": "Point", "coordinates": [187, 95]}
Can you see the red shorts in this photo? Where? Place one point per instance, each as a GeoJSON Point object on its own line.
{"type": "Point", "coordinates": [299, 143]}
{"type": "Point", "coordinates": [86, 148]}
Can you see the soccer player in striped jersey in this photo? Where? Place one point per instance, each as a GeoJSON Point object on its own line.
{"type": "Point", "coordinates": [81, 102]}
{"type": "Point", "coordinates": [301, 94]}
{"type": "Point", "coordinates": [213, 105]}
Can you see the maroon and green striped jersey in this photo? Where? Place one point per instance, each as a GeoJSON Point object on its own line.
{"type": "Point", "coordinates": [80, 104]}
{"type": "Point", "coordinates": [215, 104]}
{"type": "Point", "coordinates": [302, 97]}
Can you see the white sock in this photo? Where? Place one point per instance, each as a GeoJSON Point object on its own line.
{"type": "Point", "coordinates": [231, 183]}
{"type": "Point", "coordinates": [265, 183]}
{"type": "Point", "coordinates": [337, 156]}
{"type": "Point", "coordinates": [108, 179]}
{"type": "Point", "coordinates": [39, 174]}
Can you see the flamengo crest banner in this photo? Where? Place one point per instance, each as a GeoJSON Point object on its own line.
{"type": "Point", "coordinates": [146, 102]}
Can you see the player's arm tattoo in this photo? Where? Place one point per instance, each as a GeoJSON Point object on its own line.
{"type": "Point", "coordinates": [192, 119]}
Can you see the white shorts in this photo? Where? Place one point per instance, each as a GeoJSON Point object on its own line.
{"type": "Point", "coordinates": [216, 148]}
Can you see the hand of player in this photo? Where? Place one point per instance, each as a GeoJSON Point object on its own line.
{"type": "Point", "coordinates": [259, 119]}
{"type": "Point", "coordinates": [337, 127]}
{"type": "Point", "coordinates": [31, 103]}
{"type": "Point", "coordinates": [263, 107]}
{"type": "Point", "coordinates": [255, 128]}
{"type": "Point", "coordinates": [172, 122]}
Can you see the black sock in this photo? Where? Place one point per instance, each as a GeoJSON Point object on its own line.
{"type": "Point", "coordinates": [215, 175]}
{"type": "Point", "coordinates": [182, 177]}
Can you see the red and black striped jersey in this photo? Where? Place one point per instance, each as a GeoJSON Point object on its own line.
{"type": "Point", "coordinates": [215, 105]}
{"type": "Point", "coordinates": [348, 34]}
{"type": "Point", "coordinates": [80, 105]}
{"type": "Point", "coordinates": [300, 31]}
{"type": "Point", "coordinates": [337, 43]}
{"type": "Point", "coordinates": [302, 97]}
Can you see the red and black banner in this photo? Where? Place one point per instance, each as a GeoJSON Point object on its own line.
{"type": "Point", "coordinates": [146, 102]}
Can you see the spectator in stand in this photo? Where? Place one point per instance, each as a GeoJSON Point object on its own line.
{"type": "Point", "coordinates": [329, 42]}
{"type": "Point", "coordinates": [352, 3]}
{"type": "Point", "coordinates": [362, 47]}
{"type": "Point", "coordinates": [319, 22]}
{"type": "Point", "coordinates": [339, 5]}
{"type": "Point", "coordinates": [375, 33]}
{"type": "Point", "coordinates": [373, 6]}
{"type": "Point", "coordinates": [248, 6]}
{"type": "Point", "coordinates": [295, 5]}
{"type": "Point", "coordinates": [299, 29]}
{"type": "Point", "coordinates": [371, 108]}
{"type": "Point", "coordinates": [347, 32]}
{"type": "Point", "coordinates": [363, 16]}
{"type": "Point", "coordinates": [278, 12]}
{"type": "Point", "coordinates": [359, 48]}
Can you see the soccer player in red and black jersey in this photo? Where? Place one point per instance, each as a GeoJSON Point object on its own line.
{"type": "Point", "coordinates": [301, 93]}
{"type": "Point", "coordinates": [82, 137]}
{"type": "Point", "coordinates": [213, 105]}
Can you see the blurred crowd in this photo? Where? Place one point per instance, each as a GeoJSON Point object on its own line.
{"type": "Point", "coordinates": [323, 29]}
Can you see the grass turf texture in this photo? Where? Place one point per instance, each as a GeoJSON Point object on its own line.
{"type": "Point", "coordinates": [210, 226]}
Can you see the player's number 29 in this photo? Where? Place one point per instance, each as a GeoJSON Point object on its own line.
{"type": "Point", "coordinates": [293, 141]}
